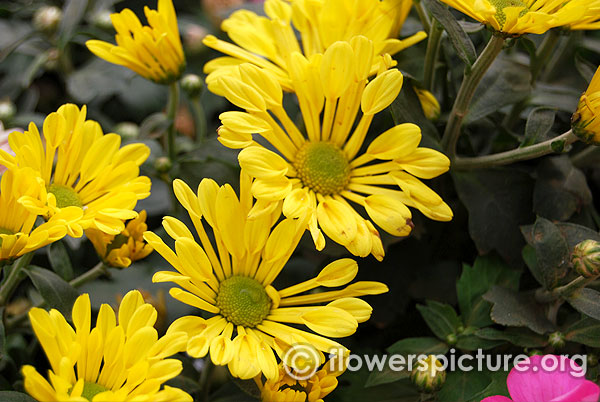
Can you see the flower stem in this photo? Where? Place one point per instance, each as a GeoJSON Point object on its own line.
{"type": "Point", "coordinates": [423, 16]}
{"type": "Point", "coordinates": [97, 271]}
{"type": "Point", "coordinates": [199, 119]}
{"type": "Point", "coordinates": [543, 53]}
{"type": "Point", "coordinates": [469, 84]}
{"type": "Point", "coordinates": [554, 145]}
{"type": "Point", "coordinates": [171, 113]}
{"type": "Point", "coordinates": [431, 55]}
{"type": "Point", "coordinates": [14, 278]}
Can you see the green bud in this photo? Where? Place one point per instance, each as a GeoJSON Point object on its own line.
{"type": "Point", "coordinates": [592, 360]}
{"type": "Point", "coordinates": [556, 340]}
{"type": "Point", "coordinates": [7, 110]}
{"type": "Point", "coordinates": [428, 375]}
{"type": "Point", "coordinates": [535, 352]}
{"type": "Point", "coordinates": [192, 85]}
{"type": "Point", "coordinates": [52, 56]}
{"type": "Point", "coordinates": [127, 130]}
{"type": "Point", "coordinates": [163, 164]}
{"type": "Point", "coordinates": [47, 18]}
{"type": "Point", "coordinates": [586, 258]}
{"type": "Point", "coordinates": [451, 339]}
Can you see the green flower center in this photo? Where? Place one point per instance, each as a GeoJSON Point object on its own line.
{"type": "Point", "coordinates": [502, 4]}
{"type": "Point", "coordinates": [6, 231]}
{"type": "Point", "coordinates": [322, 167]}
{"type": "Point", "coordinates": [65, 196]}
{"type": "Point", "coordinates": [243, 301]}
{"type": "Point", "coordinates": [91, 389]}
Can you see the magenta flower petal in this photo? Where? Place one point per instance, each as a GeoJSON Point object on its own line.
{"type": "Point", "coordinates": [497, 398]}
{"type": "Point", "coordinates": [587, 391]}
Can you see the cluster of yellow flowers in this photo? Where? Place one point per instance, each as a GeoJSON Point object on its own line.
{"type": "Point", "coordinates": [317, 178]}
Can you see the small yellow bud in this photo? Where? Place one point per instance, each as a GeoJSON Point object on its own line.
{"type": "Point", "coordinates": [586, 258]}
{"type": "Point", "coordinates": [429, 374]}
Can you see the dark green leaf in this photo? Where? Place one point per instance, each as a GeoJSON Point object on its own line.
{"type": "Point", "coordinates": [496, 387]}
{"type": "Point", "coordinates": [531, 261]}
{"type": "Point", "coordinates": [458, 37]}
{"type": "Point", "coordinates": [12, 396]}
{"type": "Point", "coordinates": [463, 386]}
{"type": "Point", "coordinates": [60, 260]}
{"type": "Point", "coordinates": [473, 342]}
{"type": "Point", "coordinates": [386, 376]}
{"type": "Point", "coordinates": [2, 335]}
{"type": "Point", "coordinates": [476, 281]}
{"type": "Point", "coordinates": [518, 310]}
{"type": "Point", "coordinates": [586, 301]}
{"type": "Point", "coordinates": [426, 346]}
{"type": "Point", "coordinates": [440, 317]}
{"type": "Point", "coordinates": [517, 336]}
{"type": "Point", "coordinates": [575, 234]}
{"type": "Point", "coordinates": [564, 98]}
{"type": "Point", "coordinates": [539, 123]}
{"type": "Point", "coordinates": [528, 45]}
{"type": "Point", "coordinates": [498, 202]}
{"type": "Point", "coordinates": [585, 331]}
{"type": "Point", "coordinates": [584, 67]}
{"type": "Point", "coordinates": [55, 290]}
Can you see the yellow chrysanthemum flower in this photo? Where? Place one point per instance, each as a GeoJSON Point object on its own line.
{"type": "Point", "coordinates": [517, 17]}
{"type": "Point", "coordinates": [113, 362]}
{"type": "Point", "coordinates": [233, 281]}
{"type": "Point", "coordinates": [290, 389]}
{"type": "Point", "coordinates": [268, 42]}
{"type": "Point", "coordinates": [153, 51]}
{"type": "Point", "coordinates": [121, 250]}
{"type": "Point", "coordinates": [322, 170]}
{"type": "Point", "coordinates": [586, 120]}
{"type": "Point", "coordinates": [17, 233]}
{"type": "Point", "coordinates": [81, 167]}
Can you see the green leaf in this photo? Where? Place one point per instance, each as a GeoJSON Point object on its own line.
{"type": "Point", "coordinates": [552, 252]}
{"type": "Point", "coordinates": [517, 336]}
{"type": "Point", "coordinates": [586, 301]}
{"type": "Point", "coordinates": [73, 13]}
{"type": "Point", "coordinates": [475, 281]}
{"type": "Point", "coordinates": [584, 67]}
{"type": "Point", "coordinates": [518, 310]}
{"type": "Point", "coordinates": [563, 98]}
{"type": "Point", "coordinates": [585, 331]}
{"type": "Point", "coordinates": [12, 396]}
{"type": "Point", "coordinates": [575, 234]}
{"type": "Point", "coordinates": [474, 342]}
{"type": "Point", "coordinates": [386, 376]}
{"type": "Point", "coordinates": [60, 260]}
{"type": "Point", "coordinates": [539, 123]}
{"type": "Point", "coordinates": [496, 387]}
{"type": "Point", "coordinates": [458, 37]}
{"type": "Point", "coordinates": [560, 189]}
{"type": "Point", "coordinates": [440, 317]}
{"type": "Point", "coordinates": [55, 290]}
{"type": "Point", "coordinates": [498, 202]}
{"type": "Point", "coordinates": [463, 386]}
{"type": "Point", "coordinates": [425, 345]}
{"type": "Point", "coordinates": [2, 335]}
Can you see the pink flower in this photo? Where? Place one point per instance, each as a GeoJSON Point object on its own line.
{"type": "Point", "coordinates": [548, 378]}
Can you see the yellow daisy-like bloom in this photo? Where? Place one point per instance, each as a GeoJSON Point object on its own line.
{"type": "Point", "coordinates": [153, 51]}
{"type": "Point", "coordinates": [517, 17]}
{"type": "Point", "coordinates": [289, 389]}
{"type": "Point", "coordinates": [233, 281]}
{"type": "Point", "coordinates": [269, 41]}
{"type": "Point", "coordinates": [323, 170]}
{"type": "Point", "coordinates": [81, 167]}
{"type": "Point", "coordinates": [586, 120]}
{"type": "Point", "coordinates": [115, 361]}
{"type": "Point", "coordinates": [17, 233]}
{"type": "Point", "coordinates": [121, 250]}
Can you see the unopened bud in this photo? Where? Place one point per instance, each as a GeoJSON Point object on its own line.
{"type": "Point", "coordinates": [430, 105]}
{"type": "Point", "coordinates": [163, 164]}
{"type": "Point", "coordinates": [586, 258]}
{"type": "Point", "coordinates": [592, 359]}
{"type": "Point", "coordinates": [7, 110]}
{"type": "Point", "coordinates": [192, 85]}
{"type": "Point", "coordinates": [557, 340]}
{"type": "Point", "coordinates": [127, 130]}
{"type": "Point", "coordinates": [52, 56]}
{"type": "Point", "coordinates": [47, 18]}
{"type": "Point", "coordinates": [535, 352]}
{"type": "Point", "coordinates": [102, 20]}
{"type": "Point", "coordinates": [451, 339]}
{"type": "Point", "coordinates": [428, 375]}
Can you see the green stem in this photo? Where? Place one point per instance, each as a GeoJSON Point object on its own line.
{"type": "Point", "coordinates": [431, 55]}
{"type": "Point", "coordinates": [543, 53]}
{"type": "Point", "coordinates": [423, 16]}
{"type": "Point", "coordinates": [469, 84]}
{"type": "Point", "coordinates": [553, 145]}
{"type": "Point", "coordinates": [14, 278]}
{"type": "Point", "coordinates": [547, 296]}
{"type": "Point", "coordinates": [171, 113]}
{"type": "Point", "coordinates": [199, 118]}
{"type": "Point", "coordinates": [99, 270]}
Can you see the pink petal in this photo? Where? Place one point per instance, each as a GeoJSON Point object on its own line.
{"type": "Point", "coordinates": [497, 398]}
{"type": "Point", "coordinates": [587, 391]}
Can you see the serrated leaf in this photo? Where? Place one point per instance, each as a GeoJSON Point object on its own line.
{"type": "Point", "coordinates": [585, 331]}
{"type": "Point", "coordinates": [539, 122]}
{"type": "Point", "coordinates": [458, 37]}
{"type": "Point", "coordinates": [517, 336]}
{"type": "Point", "coordinates": [518, 310]}
{"type": "Point", "coordinates": [440, 317]}
{"type": "Point", "coordinates": [60, 260]}
{"type": "Point", "coordinates": [586, 301]}
{"type": "Point", "coordinates": [56, 291]}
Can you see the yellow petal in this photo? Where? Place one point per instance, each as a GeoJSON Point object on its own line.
{"type": "Point", "coordinates": [338, 273]}
{"type": "Point", "coordinates": [271, 190]}
{"type": "Point", "coordinates": [397, 142]}
{"type": "Point", "coordinates": [381, 92]}
{"type": "Point", "coordinates": [337, 221]}
{"type": "Point", "coordinates": [337, 69]}
{"type": "Point", "coordinates": [389, 214]}
{"type": "Point", "coordinates": [330, 321]}
{"type": "Point", "coordinates": [261, 163]}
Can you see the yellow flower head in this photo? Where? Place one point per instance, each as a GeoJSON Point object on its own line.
{"type": "Point", "coordinates": [517, 17]}
{"type": "Point", "coordinates": [586, 120]}
{"type": "Point", "coordinates": [80, 167]}
{"type": "Point", "coordinates": [121, 250]}
{"type": "Point", "coordinates": [268, 42]}
{"type": "Point", "coordinates": [232, 279]}
{"type": "Point", "coordinates": [115, 361]}
{"type": "Point", "coordinates": [17, 233]}
{"type": "Point", "coordinates": [153, 51]}
{"type": "Point", "coordinates": [323, 170]}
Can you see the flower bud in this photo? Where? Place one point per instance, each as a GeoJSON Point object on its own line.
{"type": "Point", "coordinates": [429, 375]}
{"type": "Point", "coordinates": [7, 110]}
{"type": "Point", "coordinates": [163, 164]}
{"type": "Point", "coordinates": [192, 39]}
{"type": "Point", "coordinates": [52, 58]}
{"type": "Point", "coordinates": [586, 258]}
{"type": "Point", "coordinates": [430, 105]}
{"type": "Point", "coordinates": [557, 340]}
{"type": "Point", "coordinates": [102, 20]}
{"type": "Point", "coordinates": [46, 19]}
{"type": "Point", "coordinates": [451, 339]}
{"type": "Point", "coordinates": [127, 130]}
{"type": "Point", "coordinates": [592, 360]}
{"type": "Point", "coordinates": [586, 120]}
{"type": "Point", "coordinates": [192, 85]}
